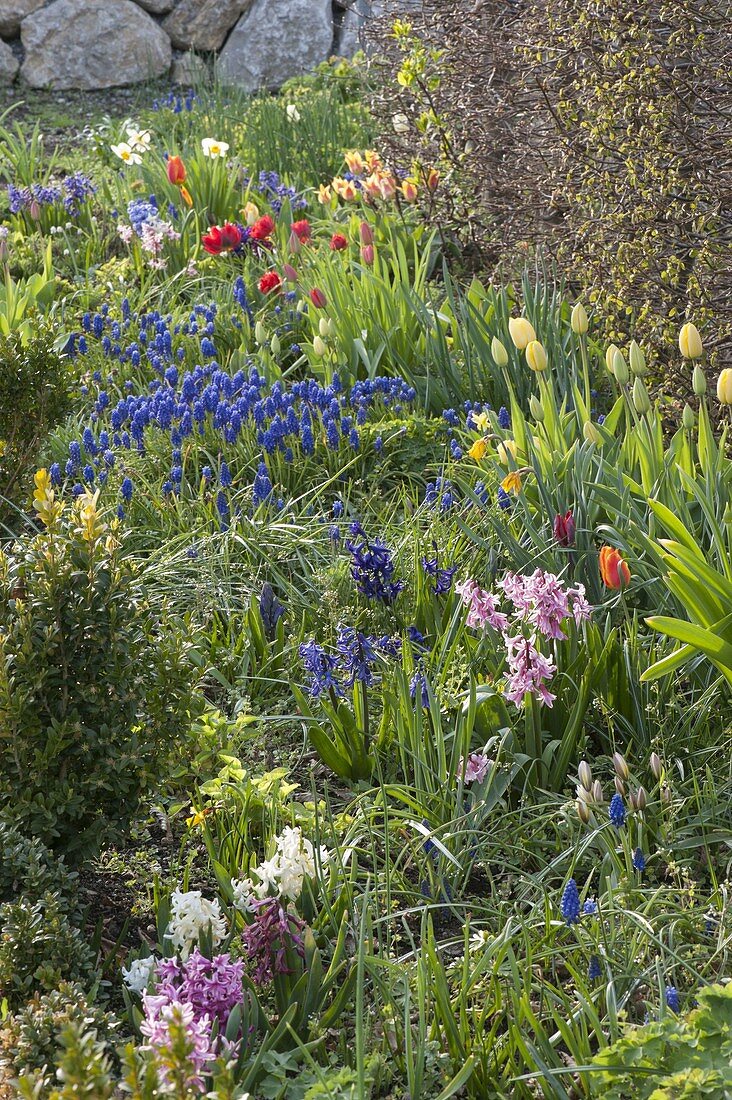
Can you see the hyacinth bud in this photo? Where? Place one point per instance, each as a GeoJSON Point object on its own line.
{"type": "Point", "coordinates": [522, 332]}
{"type": "Point", "coordinates": [621, 767]}
{"type": "Point", "coordinates": [591, 434]}
{"type": "Point", "coordinates": [537, 409]}
{"type": "Point", "coordinates": [637, 360]}
{"type": "Point", "coordinates": [656, 765]}
{"type": "Point", "coordinates": [597, 792]}
{"type": "Point", "coordinates": [323, 327]}
{"type": "Point", "coordinates": [583, 812]}
{"type": "Point", "coordinates": [260, 333]}
{"type": "Point", "coordinates": [641, 400]}
{"type": "Point", "coordinates": [641, 798]}
{"type": "Point", "coordinates": [687, 418]}
{"type": "Point", "coordinates": [690, 344]}
{"type": "Point", "coordinates": [620, 368]}
{"type": "Point", "coordinates": [698, 381]}
{"type": "Point", "coordinates": [499, 353]}
{"type": "Point", "coordinates": [319, 347]}
{"type": "Point", "coordinates": [585, 775]}
{"type": "Point", "coordinates": [610, 358]}
{"type": "Point", "coordinates": [274, 345]}
{"type": "Point", "coordinates": [536, 356]}
{"type": "Point", "coordinates": [579, 321]}
{"type": "Point", "coordinates": [366, 233]}
{"type": "Point", "coordinates": [620, 786]}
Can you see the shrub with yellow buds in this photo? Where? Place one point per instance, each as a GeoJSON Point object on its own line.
{"type": "Point", "coordinates": [579, 321]}
{"type": "Point", "coordinates": [522, 332]}
{"type": "Point", "coordinates": [44, 499]}
{"type": "Point", "coordinates": [724, 387]}
{"type": "Point", "coordinates": [690, 344]}
{"type": "Point", "coordinates": [536, 356]}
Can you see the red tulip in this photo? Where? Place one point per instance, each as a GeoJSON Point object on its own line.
{"type": "Point", "coordinates": [338, 242]}
{"type": "Point", "coordinates": [301, 230]}
{"type": "Point", "coordinates": [613, 569]}
{"type": "Point", "coordinates": [564, 528]}
{"type": "Point", "coordinates": [221, 238]}
{"type": "Point", "coordinates": [271, 280]}
{"type": "Point", "coordinates": [262, 229]}
{"type": "Point", "coordinates": [176, 171]}
{"type": "Point", "coordinates": [318, 298]}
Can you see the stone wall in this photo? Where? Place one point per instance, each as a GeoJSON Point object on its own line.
{"type": "Point", "coordinates": [107, 43]}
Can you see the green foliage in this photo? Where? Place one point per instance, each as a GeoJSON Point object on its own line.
{"type": "Point", "coordinates": [21, 301]}
{"type": "Point", "coordinates": [672, 1058]}
{"type": "Point", "coordinates": [27, 864]}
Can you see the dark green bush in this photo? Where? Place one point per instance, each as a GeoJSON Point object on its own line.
{"type": "Point", "coordinates": [93, 695]}
{"type": "Point", "coordinates": [27, 865]}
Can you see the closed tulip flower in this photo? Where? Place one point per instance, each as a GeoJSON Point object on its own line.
{"type": "Point", "coordinates": [724, 387]}
{"type": "Point", "coordinates": [610, 358]}
{"type": "Point", "coordinates": [613, 569]}
{"type": "Point", "coordinates": [176, 171]}
{"type": "Point", "coordinates": [620, 368]}
{"type": "Point", "coordinates": [536, 356]}
{"type": "Point", "coordinates": [367, 254]}
{"type": "Point", "coordinates": [641, 400]}
{"type": "Point", "coordinates": [522, 332]}
{"type": "Point", "coordinates": [366, 233]}
{"type": "Point", "coordinates": [637, 360]}
{"type": "Point", "coordinates": [319, 347]}
{"type": "Point", "coordinates": [690, 344]}
{"type": "Point", "coordinates": [591, 433]}
{"type": "Point", "coordinates": [563, 528]}
{"type": "Point", "coordinates": [499, 353]}
{"type": "Point", "coordinates": [537, 409]}
{"type": "Point", "coordinates": [317, 297]}
{"type": "Point", "coordinates": [698, 381]}
{"type": "Point", "coordinates": [579, 321]}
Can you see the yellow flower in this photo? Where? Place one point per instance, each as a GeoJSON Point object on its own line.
{"type": "Point", "coordinates": [186, 196]}
{"type": "Point", "coordinates": [579, 321]}
{"type": "Point", "coordinates": [90, 526]}
{"type": "Point", "coordinates": [478, 449]}
{"type": "Point", "coordinates": [690, 344]}
{"type": "Point", "coordinates": [481, 421]}
{"type": "Point", "coordinates": [345, 189]}
{"type": "Point", "coordinates": [610, 358]}
{"type": "Point", "coordinates": [212, 148]}
{"type": "Point", "coordinates": [512, 482]}
{"type": "Point", "coordinates": [355, 162]}
{"type": "Point", "coordinates": [522, 332]}
{"type": "Point", "coordinates": [724, 387]}
{"type": "Point", "coordinates": [409, 190]}
{"type": "Point", "coordinates": [126, 153]}
{"type": "Point", "coordinates": [508, 447]}
{"type": "Point", "coordinates": [536, 356]}
{"type": "Point", "coordinates": [292, 112]}
{"type": "Point", "coordinates": [499, 353]}
{"type": "Point", "coordinates": [197, 818]}
{"type": "Point", "coordinates": [324, 194]}
{"type": "Point", "coordinates": [44, 499]}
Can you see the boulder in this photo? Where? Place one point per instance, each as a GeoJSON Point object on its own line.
{"type": "Point", "coordinates": [92, 44]}
{"type": "Point", "coordinates": [189, 69]}
{"type": "Point", "coordinates": [9, 64]}
{"type": "Point", "coordinates": [156, 7]}
{"type": "Point", "coordinates": [12, 14]}
{"type": "Point", "coordinates": [276, 40]}
{"type": "Point", "coordinates": [203, 24]}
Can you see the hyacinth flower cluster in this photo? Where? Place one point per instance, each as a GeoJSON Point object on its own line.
{"type": "Point", "coordinates": [372, 567]}
{"type": "Point", "coordinates": [541, 606]}
{"type": "Point", "coordinates": [177, 102]}
{"type": "Point", "coordinates": [69, 194]}
{"type": "Point", "coordinates": [150, 229]}
{"type": "Point", "coordinates": [182, 1047]}
{"type": "Point", "coordinates": [354, 660]}
{"type": "Point", "coordinates": [289, 421]}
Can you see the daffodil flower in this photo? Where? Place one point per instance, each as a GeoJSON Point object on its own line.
{"type": "Point", "coordinates": [138, 140]}
{"type": "Point", "coordinates": [212, 148]}
{"type": "Point", "coordinates": [512, 482]}
{"type": "Point", "coordinates": [126, 153]}
{"type": "Point", "coordinates": [292, 112]}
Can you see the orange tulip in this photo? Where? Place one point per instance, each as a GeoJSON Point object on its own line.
{"type": "Point", "coordinates": [186, 196]}
{"type": "Point", "coordinates": [613, 569]}
{"type": "Point", "coordinates": [176, 171]}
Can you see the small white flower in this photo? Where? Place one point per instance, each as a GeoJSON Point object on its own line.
{"type": "Point", "coordinates": [244, 894]}
{"type": "Point", "coordinates": [139, 140]}
{"type": "Point", "coordinates": [126, 153]}
{"type": "Point", "coordinates": [479, 940]}
{"type": "Point", "coordinates": [292, 112]}
{"type": "Point", "coordinates": [212, 148]}
{"type": "Point", "coordinates": [138, 975]}
{"type": "Point", "coordinates": [190, 915]}
{"type": "Point", "coordinates": [400, 122]}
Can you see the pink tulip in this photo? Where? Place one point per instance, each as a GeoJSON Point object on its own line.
{"type": "Point", "coordinates": [367, 233]}
{"type": "Point", "coordinates": [367, 254]}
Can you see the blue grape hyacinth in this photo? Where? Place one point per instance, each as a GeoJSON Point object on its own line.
{"type": "Point", "coordinates": [570, 903]}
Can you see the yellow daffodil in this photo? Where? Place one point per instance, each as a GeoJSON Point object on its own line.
{"type": "Point", "coordinates": [482, 421]}
{"type": "Point", "coordinates": [139, 140]}
{"type": "Point", "coordinates": [213, 148]}
{"type": "Point", "coordinates": [512, 482]}
{"type": "Point", "coordinates": [126, 153]}
{"type": "Point", "coordinates": [197, 818]}
{"type": "Point", "coordinates": [690, 344]}
{"type": "Point", "coordinates": [478, 449]}
{"type": "Point", "coordinates": [508, 447]}
{"type": "Point", "coordinates": [522, 332]}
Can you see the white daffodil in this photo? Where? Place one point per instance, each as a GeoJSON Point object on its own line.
{"type": "Point", "coordinates": [139, 140]}
{"type": "Point", "coordinates": [292, 112]}
{"type": "Point", "coordinates": [126, 153]}
{"type": "Point", "coordinates": [212, 148]}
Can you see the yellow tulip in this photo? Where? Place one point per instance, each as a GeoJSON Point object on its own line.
{"type": "Point", "coordinates": [536, 356]}
{"type": "Point", "coordinates": [522, 332]}
{"type": "Point", "coordinates": [499, 353]}
{"type": "Point", "coordinates": [508, 447]}
{"type": "Point", "coordinates": [319, 347]}
{"type": "Point", "coordinates": [610, 358]}
{"type": "Point", "coordinates": [478, 449]}
{"type": "Point", "coordinates": [620, 368]}
{"type": "Point", "coordinates": [637, 360]}
{"type": "Point", "coordinates": [690, 344]}
{"type": "Point", "coordinates": [579, 321]}
{"type": "Point", "coordinates": [724, 387]}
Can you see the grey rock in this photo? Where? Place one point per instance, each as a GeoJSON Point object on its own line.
{"type": "Point", "coordinates": [189, 69]}
{"type": "Point", "coordinates": [203, 24]}
{"type": "Point", "coordinates": [12, 14]}
{"type": "Point", "coordinates": [92, 44]}
{"type": "Point", "coordinates": [156, 7]}
{"type": "Point", "coordinates": [348, 37]}
{"type": "Point", "coordinates": [9, 64]}
{"type": "Point", "coordinates": [276, 40]}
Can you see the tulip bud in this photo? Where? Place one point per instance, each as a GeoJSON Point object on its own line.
{"type": "Point", "coordinates": [583, 813]}
{"type": "Point", "coordinates": [579, 320]}
{"type": "Point", "coordinates": [536, 408]}
{"type": "Point", "coordinates": [536, 356]}
{"type": "Point", "coordinates": [687, 418]}
{"type": "Point", "coordinates": [319, 347]}
{"type": "Point", "coordinates": [585, 775]}
{"type": "Point", "coordinates": [274, 345]}
{"type": "Point", "coordinates": [698, 381]}
{"type": "Point", "coordinates": [251, 213]}
{"type": "Point", "coordinates": [656, 765]}
{"type": "Point", "coordinates": [640, 798]}
{"type": "Point", "coordinates": [641, 400]}
{"type": "Point", "coordinates": [290, 273]}
{"type": "Point", "coordinates": [433, 179]}
{"type": "Point", "coordinates": [260, 333]}
{"type": "Point", "coordinates": [597, 792]}
{"type": "Point", "coordinates": [621, 766]}
{"type": "Point", "coordinates": [724, 387]}
{"type": "Point", "coordinates": [499, 353]}
{"type": "Point", "coordinates": [318, 298]}
{"type": "Point", "coordinates": [332, 327]}
{"type": "Point", "coordinates": [620, 786]}
{"type": "Point", "coordinates": [582, 794]}
{"type": "Point", "coordinates": [294, 243]}
{"type": "Point", "coordinates": [367, 254]}
{"type": "Point", "coordinates": [366, 232]}
{"type": "Point", "coordinates": [34, 210]}
{"type": "Point", "coordinates": [633, 801]}
{"type": "Point", "coordinates": [591, 433]}
{"type": "Point", "coordinates": [690, 344]}
{"type": "Point", "coordinates": [563, 528]}
{"type": "Point", "coordinates": [522, 332]}
{"type": "Point", "coordinates": [323, 327]}
{"type": "Point", "coordinates": [620, 368]}
{"type": "Point", "coordinates": [666, 795]}
{"type": "Point", "coordinates": [610, 358]}
{"type": "Point", "coordinates": [637, 360]}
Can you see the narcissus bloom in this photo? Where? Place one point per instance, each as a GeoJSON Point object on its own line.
{"type": "Point", "coordinates": [522, 332]}
{"type": "Point", "coordinates": [690, 344]}
{"type": "Point", "coordinates": [213, 148]}
{"type": "Point", "coordinates": [503, 450]}
{"type": "Point", "coordinates": [724, 387]}
{"type": "Point", "coordinates": [139, 140]}
{"type": "Point", "coordinates": [270, 281]}
{"type": "Point", "coordinates": [478, 449]}
{"type": "Point", "coordinates": [176, 171]}
{"type": "Point", "coordinates": [126, 153]}
{"type": "Point", "coordinates": [221, 238]}
{"type": "Point", "coordinates": [338, 242]}
{"type": "Point", "coordinates": [512, 482]}
{"type": "Point", "coordinates": [613, 569]}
